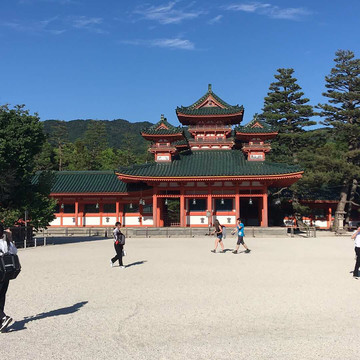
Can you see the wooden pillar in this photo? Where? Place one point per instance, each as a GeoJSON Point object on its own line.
{"type": "Point", "coordinates": [76, 212]}
{"type": "Point", "coordinates": [329, 218]}
{"type": "Point", "coordinates": [209, 207]}
{"type": "Point", "coordinates": [61, 212]}
{"type": "Point", "coordinates": [117, 209]}
{"type": "Point", "coordinates": [155, 206]}
{"type": "Point", "coordinates": [182, 208]}
{"type": "Point", "coordinates": [264, 217]}
{"type": "Point", "coordinates": [237, 201]}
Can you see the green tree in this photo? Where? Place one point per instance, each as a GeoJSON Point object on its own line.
{"type": "Point", "coordinates": [286, 109]}
{"type": "Point", "coordinates": [95, 140]}
{"type": "Point", "coordinates": [77, 157]}
{"type": "Point", "coordinates": [59, 138]}
{"type": "Point", "coordinates": [21, 140]}
{"type": "Point", "coordinates": [342, 114]}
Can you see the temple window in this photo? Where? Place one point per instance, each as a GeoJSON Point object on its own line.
{"type": "Point", "coordinates": [91, 208]}
{"type": "Point", "coordinates": [200, 205]}
{"type": "Point", "coordinates": [109, 208]}
{"type": "Point", "coordinates": [226, 206]}
{"type": "Point", "coordinates": [131, 209]}
{"type": "Point", "coordinates": [69, 208]}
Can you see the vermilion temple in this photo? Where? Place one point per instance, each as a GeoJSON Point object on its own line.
{"type": "Point", "coordinates": [211, 168]}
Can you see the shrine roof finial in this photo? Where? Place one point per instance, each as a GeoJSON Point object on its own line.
{"type": "Point", "coordinates": [209, 88]}
{"type": "Point", "coordinates": [162, 117]}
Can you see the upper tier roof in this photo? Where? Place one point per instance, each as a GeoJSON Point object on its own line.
{"type": "Point", "coordinates": [210, 105]}
{"type": "Point", "coordinates": [162, 127]}
{"type": "Point", "coordinates": [205, 163]}
{"type": "Point", "coordinates": [256, 126]}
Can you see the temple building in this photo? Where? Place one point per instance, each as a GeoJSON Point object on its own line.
{"type": "Point", "coordinates": [211, 167]}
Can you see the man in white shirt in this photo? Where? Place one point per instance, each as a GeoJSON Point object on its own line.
{"type": "Point", "coordinates": [356, 237]}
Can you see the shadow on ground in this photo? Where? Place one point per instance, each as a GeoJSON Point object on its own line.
{"type": "Point", "coordinates": [20, 325]}
{"type": "Point", "coordinates": [136, 263]}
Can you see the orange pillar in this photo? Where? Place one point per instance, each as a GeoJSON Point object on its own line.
{"type": "Point", "coordinates": [329, 218]}
{"type": "Point", "coordinates": [209, 207]}
{"type": "Point", "coordinates": [155, 206]}
{"type": "Point", "coordinates": [237, 201]}
{"type": "Point", "coordinates": [76, 212]}
{"type": "Point", "coordinates": [264, 213]}
{"type": "Point", "coordinates": [117, 206]}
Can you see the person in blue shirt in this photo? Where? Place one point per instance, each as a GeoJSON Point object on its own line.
{"type": "Point", "coordinates": [240, 231]}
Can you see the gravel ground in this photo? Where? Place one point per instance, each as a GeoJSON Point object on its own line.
{"type": "Point", "coordinates": [290, 298]}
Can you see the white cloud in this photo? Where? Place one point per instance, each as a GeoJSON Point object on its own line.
{"type": "Point", "coordinates": [272, 11]}
{"type": "Point", "coordinates": [91, 24]}
{"type": "Point", "coordinates": [215, 20]}
{"type": "Point", "coordinates": [167, 13]}
{"type": "Point", "coordinates": [175, 43]}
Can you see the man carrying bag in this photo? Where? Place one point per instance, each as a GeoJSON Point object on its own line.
{"type": "Point", "coordinates": [8, 270]}
{"type": "Point", "coordinates": [119, 242]}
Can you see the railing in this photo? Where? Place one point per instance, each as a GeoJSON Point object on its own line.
{"type": "Point", "coordinates": [213, 140]}
{"type": "Point", "coordinates": [209, 127]}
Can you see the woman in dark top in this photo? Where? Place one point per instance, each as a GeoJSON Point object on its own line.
{"type": "Point", "coordinates": [219, 236]}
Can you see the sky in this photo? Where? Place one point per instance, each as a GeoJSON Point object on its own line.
{"type": "Point", "coordinates": [136, 60]}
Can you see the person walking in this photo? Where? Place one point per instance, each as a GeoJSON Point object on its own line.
{"type": "Point", "coordinates": [241, 233]}
{"type": "Point", "coordinates": [356, 237]}
{"type": "Point", "coordinates": [119, 242]}
{"type": "Point", "coordinates": [219, 236]}
{"type": "Point", "coordinates": [6, 246]}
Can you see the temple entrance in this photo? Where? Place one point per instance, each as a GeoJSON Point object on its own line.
{"type": "Point", "coordinates": [250, 211]}
{"type": "Point", "coordinates": [171, 212]}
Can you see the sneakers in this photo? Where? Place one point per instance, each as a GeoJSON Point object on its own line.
{"type": "Point", "coordinates": [5, 322]}
{"type": "Point", "coordinates": [111, 264]}
{"type": "Point", "coordinates": [234, 252]}
{"type": "Point", "coordinates": [222, 252]}
{"type": "Point", "coordinates": [247, 251]}
{"type": "Point", "coordinates": [122, 267]}
{"type": "Point", "coordinates": [213, 251]}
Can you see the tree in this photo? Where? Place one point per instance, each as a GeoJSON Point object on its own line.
{"type": "Point", "coordinates": [95, 140]}
{"type": "Point", "coordinates": [21, 140]}
{"type": "Point", "coordinates": [59, 137]}
{"type": "Point", "coordinates": [342, 114]}
{"type": "Point", "coordinates": [286, 110]}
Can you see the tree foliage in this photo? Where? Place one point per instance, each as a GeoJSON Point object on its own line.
{"type": "Point", "coordinates": [21, 141]}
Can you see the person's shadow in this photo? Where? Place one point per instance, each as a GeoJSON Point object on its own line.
{"type": "Point", "coordinates": [136, 263]}
{"type": "Point", "coordinates": [20, 325]}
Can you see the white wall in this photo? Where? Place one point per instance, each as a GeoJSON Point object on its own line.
{"type": "Point", "coordinates": [131, 220]}
{"type": "Point", "coordinates": [147, 220]}
{"type": "Point", "coordinates": [111, 222]}
{"type": "Point", "coordinates": [88, 221]}
{"type": "Point", "coordinates": [68, 221]}
{"type": "Point", "coordinates": [224, 219]}
{"type": "Point", "coordinates": [196, 220]}
{"type": "Point", "coordinates": [55, 222]}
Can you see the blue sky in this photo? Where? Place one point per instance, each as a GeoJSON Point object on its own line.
{"type": "Point", "coordinates": [69, 59]}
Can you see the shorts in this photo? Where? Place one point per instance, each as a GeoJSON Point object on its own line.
{"type": "Point", "coordinates": [240, 240]}
{"type": "Point", "coordinates": [219, 236]}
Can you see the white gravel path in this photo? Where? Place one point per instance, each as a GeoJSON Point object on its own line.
{"type": "Point", "coordinates": [290, 298]}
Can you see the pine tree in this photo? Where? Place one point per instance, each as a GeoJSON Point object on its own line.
{"type": "Point", "coordinates": [286, 109]}
{"type": "Point", "coordinates": [342, 114]}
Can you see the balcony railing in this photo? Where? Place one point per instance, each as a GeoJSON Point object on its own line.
{"type": "Point", "coordinates": [212, 140]}
{"type": "Point", "coordinates": [209, 127]}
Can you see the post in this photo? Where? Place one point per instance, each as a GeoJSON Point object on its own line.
{"type": "Point", "coordinates": [182, 208]}
{"type": "Point", "coordinates": [25, 238]}
{"type": "Point", "coordinates": [264, 220]}
{"type": "Point", "coordinates": [155, 205]}
{"type": "Point", "coordinates": [76, 212]}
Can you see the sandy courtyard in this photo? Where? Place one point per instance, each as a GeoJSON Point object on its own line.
{"type": "Point", "coordinates": [290, 298]}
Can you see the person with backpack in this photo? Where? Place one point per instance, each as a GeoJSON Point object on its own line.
{"type": "Point", "coordinates": [119, 242]}
{"type": "Point", "coordinates": [219, 236]}
{"type": "Point", "coordinates": [240, 232]}
{"type": "Point", "coordinates": [6, 246]}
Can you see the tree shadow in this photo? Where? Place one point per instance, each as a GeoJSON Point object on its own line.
{"type": "Point", "coordinates": [20, 325]}
{"type": "Point", "coordinates": [136, 263]}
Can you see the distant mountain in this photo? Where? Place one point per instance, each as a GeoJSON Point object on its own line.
{"type": "Point", "coordinates": [118, 131]}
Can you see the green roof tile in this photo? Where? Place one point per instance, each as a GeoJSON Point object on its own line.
{"type": "Point", "coordinates": [153, 130]}
{"type": "Point", "coordinates": [209, 163]}
{"type": "Point", "coordinates": [249, 129]}
{"type": "Point", "coordinates": [90, 182]}
{"type": "Point", "coordinates": [192, 109]}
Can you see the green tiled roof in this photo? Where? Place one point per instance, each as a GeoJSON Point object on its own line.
{"type": "Point", "coordinates": [153, 130]}
{"type": "Point", "coordinates": [209, 163]}
{"type": "Point", "coordinates": [90, 182]}
{"type": "Point", "coordinates": [248, 128]}
{"type": "Point", "coordinates": [227, 110]}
